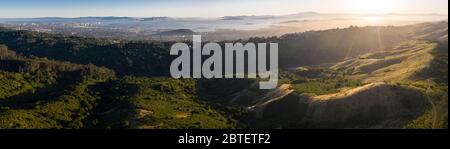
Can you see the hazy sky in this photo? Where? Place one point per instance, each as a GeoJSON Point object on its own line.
{"type": "Point", "coordinates": [210, 8]}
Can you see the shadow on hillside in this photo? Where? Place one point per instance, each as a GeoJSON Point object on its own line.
{"type": "Point", "coordinates": [30, 99]}
{"type": "Point", "coordinates": [114, 108]}
{"type": "Point", "coordinates": [438, 69]}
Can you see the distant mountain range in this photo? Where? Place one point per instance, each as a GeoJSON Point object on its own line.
{"type": "Point", "coordinates": [323, 15]}
{"type": "Point", "coordinates": [242, 17]}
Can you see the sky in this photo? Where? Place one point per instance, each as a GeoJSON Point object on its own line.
{"type": "Point", "coordinates": [210, 8]}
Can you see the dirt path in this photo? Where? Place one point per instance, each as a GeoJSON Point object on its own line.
{"type": "Point", "coordinates": [433, 107]}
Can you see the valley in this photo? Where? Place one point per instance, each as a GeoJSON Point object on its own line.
{"type": "Point", "coordinates": [356, 77]}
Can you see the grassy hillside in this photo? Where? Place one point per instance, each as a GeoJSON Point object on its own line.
{"type": "Point", "coordinates": [357, 77]}
{"type": "Point", "coordinates": [404, 87]}
{"type": "Point", "coordinates": [398, 65]}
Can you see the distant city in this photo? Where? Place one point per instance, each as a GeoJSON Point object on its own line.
{"type": "Point", "coordinates": [224, 28]}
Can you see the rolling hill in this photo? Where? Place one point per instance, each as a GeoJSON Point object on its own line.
{"type": "Point", "coordinates": [399, 88]}
{"type": "Point", "coordinates": [357, 77]}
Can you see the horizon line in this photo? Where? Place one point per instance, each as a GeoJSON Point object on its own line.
{"type": "Point", "coordinates": [304, 12]}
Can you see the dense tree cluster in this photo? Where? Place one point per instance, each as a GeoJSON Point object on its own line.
{"type": "Point", "coordinates": [57, 81]}
{"type": "Point", "coordinates": [126, 58]}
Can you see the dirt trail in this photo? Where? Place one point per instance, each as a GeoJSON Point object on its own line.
{"type": "Point", "coordinates": [433, 107]}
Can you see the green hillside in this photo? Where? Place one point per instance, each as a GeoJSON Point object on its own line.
{"type": "Point", "coordinates": [357, 77]}
{"type": "Point", "coordinates": [39, 93]}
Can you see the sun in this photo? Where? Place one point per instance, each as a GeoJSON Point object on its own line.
{"type": "Point", "coordinates": [373, 6]}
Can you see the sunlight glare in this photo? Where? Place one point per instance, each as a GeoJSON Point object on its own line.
{"type": "Point", "coordinates": [373, 18]}
{"type": "Point", "coordinates": [373, 6]}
